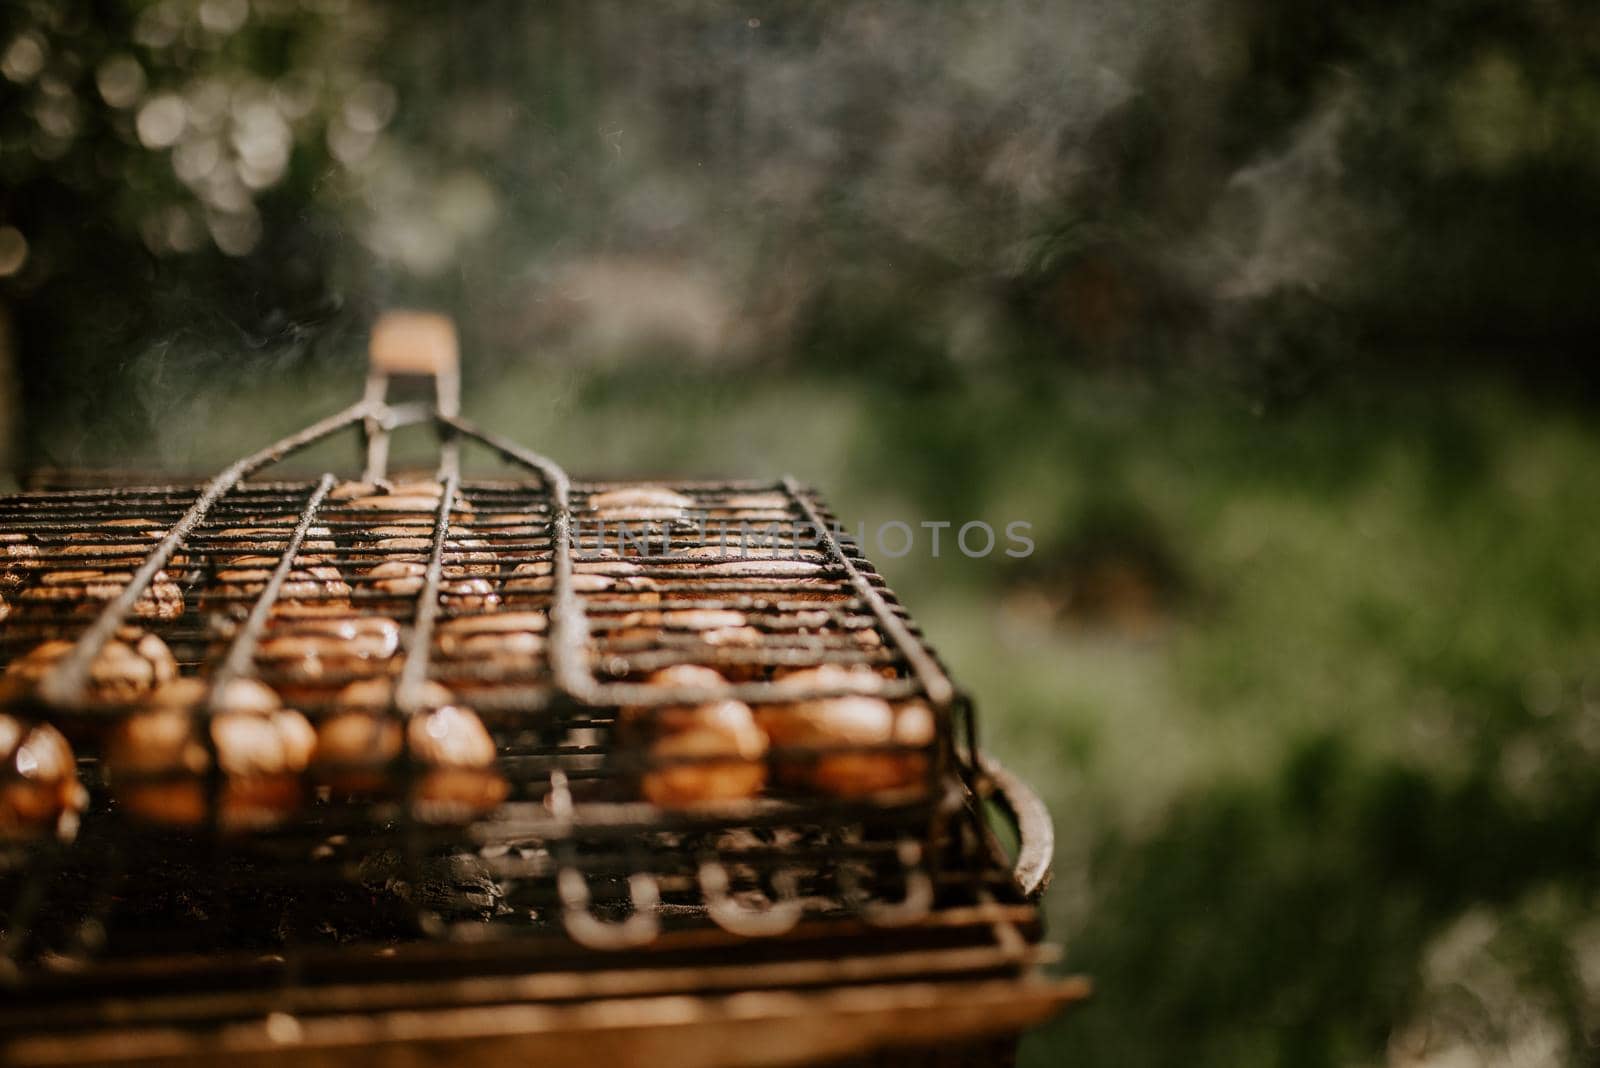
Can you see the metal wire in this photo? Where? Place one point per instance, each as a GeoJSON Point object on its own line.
{"type": "Point", "coordinates": [573, 821]}
{"type": "Point", "coordinates": [239, 660]}
{"type": "Point", "coordinates": [65, 685]}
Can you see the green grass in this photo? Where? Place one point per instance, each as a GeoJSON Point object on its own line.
{"type": "Point", "coordinates": [1339, 794]}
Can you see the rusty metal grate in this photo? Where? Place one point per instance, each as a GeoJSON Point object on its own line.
{"type": "Point", "coordinates": [572, 860]}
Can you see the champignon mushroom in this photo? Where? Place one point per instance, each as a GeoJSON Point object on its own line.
{"type": "Point", "coordinates": [695, 753]}
{"type": "Point", "coordinates": [454, 754]}
{"type": "Point", "coordinates": [122, 672]}
{"type": "Point", "coordinates": [640, 504]}
{"type": "Point", "coordinates": [310, 660]}
{"type": "Point", "coordinates": [39, 789]}
{"type": "Point", "coordinates": [867, 733]}
{"type": "Point", "coordinates": [83, 591]}
{"type": "Point", "coordinates": [160, 766]}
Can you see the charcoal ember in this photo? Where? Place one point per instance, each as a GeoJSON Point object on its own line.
{"type": "Point", "coordinates": [457, 885]}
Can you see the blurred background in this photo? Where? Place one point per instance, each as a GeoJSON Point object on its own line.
{"type": "Point", "coordinates": [1276, 321]}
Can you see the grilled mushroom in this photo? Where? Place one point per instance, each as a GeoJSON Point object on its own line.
{"type": "Point", "coordinates": [367, 637]}
{"type": "Point", "coordinates": [15, 545]}
{"type": "Point", "coordinates": [772, 502]}
{"type": "Point", "coordinates": [696, 753]}
{"type": "Point", "coordinates": [83, 592]}
{"type": "Point", "coordinates": [861, 678]}
{"type": "Point", "coordinates": [491, 649]}
{"type": "Point", "coordinates": [640, 504]}
{"type": "Point", "coordinates": [864, 728]}
{"type": "Point", "coordinates": [469, 595]}
{"type": "Point", "coordinates": [159, 764]}
{"type": "Point", "coordinates": [717, 758]}
{"type": "Point", "coordinates": [606, 565]}
{"type": "Point", "coordinates": [618, 590]}
{"type": "Point", "coordinates": [39, 789]}
{"type": "Point", "coordinates": [311, 587]}
{"type": "Point", "coordinates": [397, 497]}
{"type": "Point", "coordinates": [491, 624]}
{"type": "Point", "coordinates": [122, 672]}
{"type": "Point", "coordinates": [507, 649]}
{"type": "Point", "coordinates": [455, 755]}
{"type": "Point", "coordinates": [402, 578]}
{"type": "Point", "coordinates": [310, 660]}
{"type": "Point", "coordinates": [498, 633]}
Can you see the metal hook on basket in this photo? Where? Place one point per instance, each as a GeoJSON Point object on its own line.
{"type": "Point", "coordinates": [916, 903]}
{"type": "Point", "coordinates": [780, 914]}
{"type": "Point", "coordinates": [589, 930]}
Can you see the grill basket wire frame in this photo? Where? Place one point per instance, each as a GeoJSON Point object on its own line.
{"type": "Point", "coordinates": [890, 864]}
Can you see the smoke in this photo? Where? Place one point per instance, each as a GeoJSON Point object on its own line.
{"type": "Point", "coordinates": [1284, 220]}
{"type": "Point", "coordinates": [600, 184]}
{"type": "Point", "coordinates": [754, 161]}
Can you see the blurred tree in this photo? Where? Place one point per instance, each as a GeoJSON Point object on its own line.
{"type": "Point", "coordinates": [165, 165]}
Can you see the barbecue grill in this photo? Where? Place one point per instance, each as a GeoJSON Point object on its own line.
{"type": "Point", "coordinates": [574, 918]}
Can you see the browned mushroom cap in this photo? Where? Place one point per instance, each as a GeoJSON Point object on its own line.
{"type": "Point", "coordinates": [701, 619]}
{"type": "Point", "coordinates": [417, 542]}
{"type": "Point", "coordinates": [397, 579]}
{"type": "Point", "coordinates": [39, 789]}
{"type": "Point", "coordinates": [862, 678]}
{"type": "Point", "coordinates": [397, 502]}
{"type": "Point", "coordinates": [724, 637]}
{"type": "Point", "coordinates": [310, 660]}
{"type": "Point", "coordinates": [399, 497]}
{"type": "Point", "coordinates": [15, 545]}
{"type": "Point", "coordinates": [501, 643]}
{"type": "Point", "coordinates": [510, 650]}
{"type": "Point", "coordinates": [248, 576]}
{"type": "Point", "coordinates": [749, 549]}
{"type": "Point", "coordinates": [159, 764]}
{"type": "Point", "coordinates": [366, 637]}
{"type": "Point", "coordinates": [850, 721]}
{"type": "Point", "coordinates": [624, 589]}
{"type": "Point", "coordinates": [686, 675]}
{"type": "Point", "coordinates": [640, 504]}
{"type": "Point", "coordinates": [631, 589]}
{"type": "Point", "coordinates": [349, 490]}
{"type": "Point", "coordinates": [495, 623]}
{"type": "Point", "coordinates": [405, 578]}
{"type": "Point", "coordinates": [469, 595]}
{"type": "Point", "coordinates": [650, 719]}
{"type": "Point", "coordinates": [122, 672]}
{"type": "Point", "coordinates": [611, 567]}
{"type": "Point", "coordinates": [356, 744]}
{"type": "Point", "coordinates": [99, 547]}
{"type": "Point", "coordinates": [769, 501]}
{"type": "Point", "coordinates": [278, 535]}
{"type": "Point", "coordinates": [716, 758]}
{"type": "Point", "coordinates": [457, 776]}
{"type": "Point", "coordinates": [83, 592]}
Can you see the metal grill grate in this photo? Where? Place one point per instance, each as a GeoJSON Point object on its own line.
{"type": "Point", "coordinates": [230, 574]}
